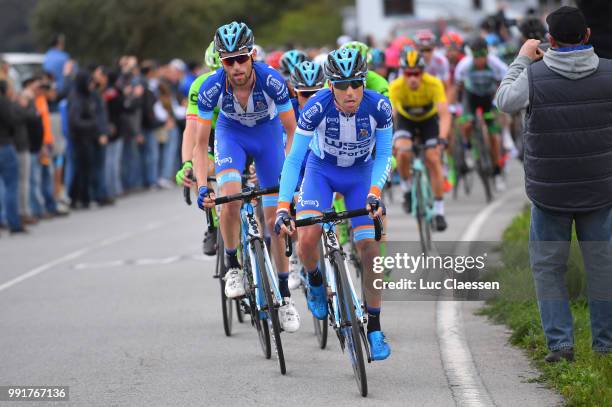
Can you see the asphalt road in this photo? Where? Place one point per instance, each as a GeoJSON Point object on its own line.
{"type": "Point", "coordinates": [119, 304]}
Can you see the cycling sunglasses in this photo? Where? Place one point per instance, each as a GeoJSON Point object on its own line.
{"type": "Point", "coordinates": [408, 73]}
{"type": "Point", "coordinates": [426, 49]}
{"type": "Point", "coordinates": [241, 59]}
{"type": "Point", "coordinates": [306, 93]}
{"type": "Point", "coordinates": [479, 54]}
{"type": "Point", "coordinates": [344, 85]}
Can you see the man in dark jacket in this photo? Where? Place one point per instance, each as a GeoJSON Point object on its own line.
{"type": "Point", "coordinates": [87, 125]}
{"type": "Point", "coordinates": [9, 172]}
{"type": "Point", "coordinates": [568, 172]}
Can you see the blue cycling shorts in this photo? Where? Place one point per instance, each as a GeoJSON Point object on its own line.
{"type": "Point", "coordinates": [322, 179]}
{"type": "Point", "coordinates": [263, 142]}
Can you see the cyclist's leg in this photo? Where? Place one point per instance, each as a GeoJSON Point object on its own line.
{"type": "Point", "coordinates": [402, 147]}
{"type": "Point", "coordinates": [230, 158]}
{"type": "Point", "coordinates": [315, 196]}
{"type": "Point", "coordinates": [266, 147]}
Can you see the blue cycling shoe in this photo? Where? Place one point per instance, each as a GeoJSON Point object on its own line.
{"type": "Point", "coordinates": [317, 301]}
{"type": "Point", "coordinates": [379, 348]}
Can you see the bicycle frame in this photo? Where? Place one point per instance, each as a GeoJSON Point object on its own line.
{"type": "Point", "coordinates": [418, 167]}
{"type": "Point", "coordinates": [250, 233]}
{"type": "Point", "coordinates": [331, 245]}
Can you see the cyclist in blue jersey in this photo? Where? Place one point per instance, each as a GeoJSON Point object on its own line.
{"type": "Point", "coordinates": [254, 102]}
{"type": "Point", "coordinates": [287, 63]}
{"type": "Point", "coordinates": [340, 125]}
{"type": "Point", "coordinates": [307, 78]}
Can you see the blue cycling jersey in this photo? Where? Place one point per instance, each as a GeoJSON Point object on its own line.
{"type": "Point", "coordinates": [269, 97]}
{"type": "Point", "coordinates": [341, 140]}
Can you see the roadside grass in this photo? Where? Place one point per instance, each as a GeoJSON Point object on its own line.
{"type": "Point", "coordinates": [588, 380]}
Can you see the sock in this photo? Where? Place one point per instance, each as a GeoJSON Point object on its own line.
{"type": "Point", "coordinates": [314, 278]}
{"type": "Point", "coordinates": [231, 256]}
{"type": "Point", "coordinates": [283, 284]}
{"type": "Point", "coordinates": [497, 170]}
{"type": "Point", "coordinates": [438, 207]}
{"type": "Point", "coordinates": [406, 185]}
{"type": "Point", "coordinates": [373, 319]}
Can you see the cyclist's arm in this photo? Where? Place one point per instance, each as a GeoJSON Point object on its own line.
{"type": "Point", "coordinates": [191, 126]}
{"type": "Point", "coordinates": [287, 118]}
{"type": "Point", "coordinates": [382, 163]}
{"type": "Point", "coordinates": [292, 167]}
{"type": "Point", "coordinates": [200, 151]}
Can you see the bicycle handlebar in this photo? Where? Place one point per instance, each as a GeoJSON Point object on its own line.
{"type": "Point", "coordinates": [187, 190]}
{"type": "Point", "coordinates": [328, 217]}
{"type": "Point", "coordinates": [245, 195]}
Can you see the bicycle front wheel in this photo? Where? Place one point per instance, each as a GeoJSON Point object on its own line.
{"type": "Point", "coordinates": [226, 303]}
{"type": "Point", "coordinates": [270, 307]}
{"type": "Point", "coordinates": [350, 326]}
{"type": "Point", "coordinates": [421, 212]}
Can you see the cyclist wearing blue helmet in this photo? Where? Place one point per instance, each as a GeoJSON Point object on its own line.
{"type": "Point", "coordinates": [340, 125]}
{"type": "Point", "coordinates": [288, 61]}
{"type": "Point", "coordinates": [253, 101]}
{"type": "Point", "coordinates": [307, 78]}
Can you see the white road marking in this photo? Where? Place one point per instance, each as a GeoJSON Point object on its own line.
{"type": "Point", "coordinates": [461, 372]}
{"type": "Point", "coordinates": [78, 253]}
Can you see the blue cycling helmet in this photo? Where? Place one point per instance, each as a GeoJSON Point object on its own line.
{"type": "Point", "coordinates": [290, 59]}
{"type": "Point", "coordinates": [377, 58]}
{"type": "Point", "coordinates": [307, 75]}
{"type": "Point", "coordinates": [345, 63]}
{"type": "Point", "coordinates": [234, 37]}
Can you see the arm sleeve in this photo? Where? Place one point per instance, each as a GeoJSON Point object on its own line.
{"type": "Point", "coordinates": [292, 167]}
{"type": "Point", "coordinates": [513, 92]}
{"type": "Point", "coordinates": [277, 89]}
{"type": "Point", "coordinates": [208, 96]}
{"type": "Point", "coordinates": [192, 101]}
{"type": "Point", "coordinates": [382, 163]}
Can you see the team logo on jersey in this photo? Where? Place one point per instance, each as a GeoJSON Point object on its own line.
{"type": "Point", "coordinates": [211, 93]}
{"type": "Point", "coordinates": [218, 161]}
{"type": "Point", "coordinates": [259, 105]}
{"type": "Point", "coordinates": [313, 110]}
{"type": "Point", "coordinates": [363, 134]}
{"type": "Point", "coordinates": [384, 106]}
{"type": "Point", "coordinates": [275, 84]}
{"type": "Point", "coordinates": [333, 120]}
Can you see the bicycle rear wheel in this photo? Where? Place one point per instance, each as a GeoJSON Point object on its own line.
{"type": "Point", "coordinates": [226, 303]}
{"type": "Point", "coordinates": [350, 326]}
{"type": "Point", "coordinates": [271, 307]}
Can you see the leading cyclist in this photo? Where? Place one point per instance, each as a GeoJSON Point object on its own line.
{"type": "Point", "coordinates": [340, 125]}
{"type": "Point", "coordinates": [252, 98]}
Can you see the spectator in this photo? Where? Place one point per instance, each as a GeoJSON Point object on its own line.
{"type": "Point", "coordinates": [150, 124]}
{"type": "Point", "coordinates": [42, 200]}
{"type": "Point", "coordinates": [113, 99]}
{"type": "Point", "coordinates": [167, 110]}
{"type": "Point", "coordinates": [193, 71]}
{"type": "Point", "coordinates": [568, 172]}
{"type": "Point", "coordinates": [9, 167]}
{"type": "Point", "coordinates": [27, 114]}
{"type": "Point", "coordinates": [55, 58]}
{"type": "Point", "coordinates": [100, 185]}
{"type": "Point", "coordinates": [86, 127]}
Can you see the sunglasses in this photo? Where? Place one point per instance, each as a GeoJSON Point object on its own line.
{"type": "Point", "coordinates": [344, 85]}
{"type": "Point", "coordinates": [426, 49]}
{"type": "Point", "coordinates": [241, 59]}
{"type": "Point", "coordinates": [413, 73]}
{"type": "Point", "coordinates": [480, 54]}
{"type": "Point", "coordinates": [306, 93]}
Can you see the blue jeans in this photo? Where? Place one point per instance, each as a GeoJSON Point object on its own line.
{"type": "Point", "coordinates": [151, 158]}
{"type": "Point", "coordinates": [549, 243]}
{"type": "Point", "coordinates": [112, 168]}
{"type": "Point", "coordinates": [9, 174]}
{"type": "Point", "coordinates": [41, 188]}
{"type": "Point", "coordinates": [170, 159]}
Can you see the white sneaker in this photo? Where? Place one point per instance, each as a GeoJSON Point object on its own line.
{"type": "Point", "coordinates": [500, 185]}
{"type": "Point", "coordinates": [294, 272]}
{"type": "Point", "coordinates": [234, 283]}
{"type": "Point", "coordinates": [289, 317]}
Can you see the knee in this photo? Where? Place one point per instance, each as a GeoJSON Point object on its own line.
{"type": "Point", "coordinates": [308, 245]}
{"type": "Point", "coordinates": [232, 209]}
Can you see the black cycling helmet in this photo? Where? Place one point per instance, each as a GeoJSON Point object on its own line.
{"type": "Point", "coordinates": [234, 37]}
{"type": "Point", "coordinates": [533, 29]}
{"type": "Point", "coordinates": [479, 45]}
{"type": "Point", "coordinates": [345, 63]}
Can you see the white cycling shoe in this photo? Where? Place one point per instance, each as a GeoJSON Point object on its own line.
{"type": "Point", "coordinates": [234, 283]}
{"type": "Point", "coordinates": [289, 317]}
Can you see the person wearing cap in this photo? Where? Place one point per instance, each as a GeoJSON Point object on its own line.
{"type": "Point", "coordinates": [568, 172]}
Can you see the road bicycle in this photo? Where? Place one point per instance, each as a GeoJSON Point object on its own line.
{"type": "Point", "coordinates": [346, 312]}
